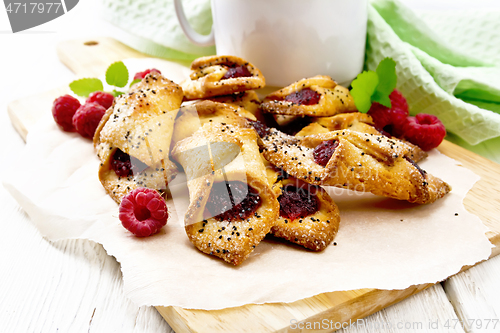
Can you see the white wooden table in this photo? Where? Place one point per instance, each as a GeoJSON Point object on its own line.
{"type": "Point", "coordinates": [74, 286]}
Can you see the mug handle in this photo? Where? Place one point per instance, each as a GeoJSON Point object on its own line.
{"type": "Point", "coordinates": [193, 36]}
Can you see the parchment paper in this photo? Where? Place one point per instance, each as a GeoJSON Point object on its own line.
{"type": "Point", "coordinates": [382, 243]}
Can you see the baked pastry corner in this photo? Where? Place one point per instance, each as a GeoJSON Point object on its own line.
{"type": "Point", "coordinates": [221, 75]}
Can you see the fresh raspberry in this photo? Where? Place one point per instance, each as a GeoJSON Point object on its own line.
{"type": "Point", "coordinates": [143, 212]}
{"type": "Point", "coordinates": [102, 98]}
{"type": "Point", "coordinates": [87, 118]}
{"type": "Point", "coordinates": [391, 120]}
{"type": "Point", "coordinates": [142, 75]}
{"type": "Point", "coordinates": [398, 101]}
{"type": "Point", "coordinates": [63, 109]}
{"type": "Point", "coordinates": [424, 130]}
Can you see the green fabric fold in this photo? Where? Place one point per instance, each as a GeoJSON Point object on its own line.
{"type": "Point", "coordinates": [480, 84]}
{"type": "Point", "coordinates": [437, 77]}
{"type": "Point", "coordinates": [448, 63]}
{"type": "Point", "coordinates": [156, 29]}
{"type": "Point", "coordinates": [410, 29]}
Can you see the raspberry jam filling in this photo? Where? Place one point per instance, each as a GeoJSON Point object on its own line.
{"type": "Point", "coordinates": [304, 97]}
{"type": "Point", "coordinates": [125, 165]}
{"type": "Point", "coordinates": [261, 129]}
{"type": "Point", "coordinates": [324, 151]}
{"type": "Point", "coordinates": [237, 71]}
{"type": "Point", "coordinates": [297, 202]}
{"type": "Point", "coordinates": [422, 172]}
{"type": "Point", "coordinates": [242, 201]}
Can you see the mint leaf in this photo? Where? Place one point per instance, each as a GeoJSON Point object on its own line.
{"type": "Point", "coordinates": [386, 71]}
{"type": "Point", "coordinates": [135, 81]}
{"type": "Point", "coordinates": [117, 74]}
{"type": "Point", "coordinates": [381, 99]}
{"type": "Point", "coordinates": [370, 86]}
{"type": "Point", "coordinates": [84, 87]}
{"type": "Point", "coordinates": [363, 87]}
{"type": "Point", "coordinates": [116, 93]}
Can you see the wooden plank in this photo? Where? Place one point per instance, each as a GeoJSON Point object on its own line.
{"type": "Point", "coordinates": [92, 60]}
{"type": "Point", "coordinates": [476, 297]}
{"type": "Point", "coordinates": [67, 286]}
{"type": "Point", "coordinates": [25, 112]}
{"type": "Point", "coordinates": [424, 312]}
{"type": "Point", "coordinates": [92, 56]}
{"type": "Point", "coordinates": [339, 307]}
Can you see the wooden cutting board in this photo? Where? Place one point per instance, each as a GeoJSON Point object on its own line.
{"type": "Point", "coordinates": [91, 57]}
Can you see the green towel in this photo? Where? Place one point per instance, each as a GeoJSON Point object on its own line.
{"type": "Point", "coordinates": [155, 28]}
{"type": "Point", "coordinates": [448, 63]}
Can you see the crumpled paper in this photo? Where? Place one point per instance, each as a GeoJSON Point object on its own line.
{"type": "Point", "coordinates": [382, 243]}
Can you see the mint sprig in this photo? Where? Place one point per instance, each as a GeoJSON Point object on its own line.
{"type": "Point", "coordinates": [135, 81]}
{"type": "Point", "coordinates": [84, 87]}
{"type": "Point", "coordinates": [370, 86]}
{"type": "Point", "coordinates": [116, 75]}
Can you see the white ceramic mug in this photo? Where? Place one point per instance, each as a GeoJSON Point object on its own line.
{"type": "Point", "coordinates": [289, 39]}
